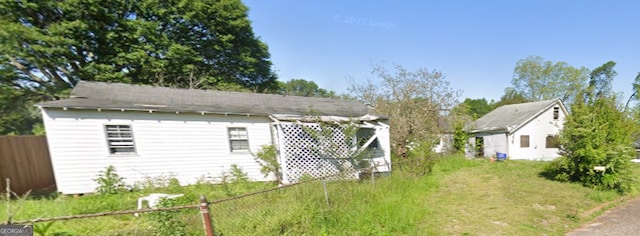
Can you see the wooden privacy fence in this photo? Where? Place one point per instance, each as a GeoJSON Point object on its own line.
{"type": "Point", "coordinates": [25, 161]}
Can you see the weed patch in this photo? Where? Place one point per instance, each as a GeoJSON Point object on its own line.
{"type": "Point", "coordinates": [458, 197]}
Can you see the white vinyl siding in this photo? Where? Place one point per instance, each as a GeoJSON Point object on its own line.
{"type": "Point", "coordinates": [188, 146]}
{"type": "Point", "coordinates": [120, 139]}
{"type": "Point", "coordinates": [238, 139]}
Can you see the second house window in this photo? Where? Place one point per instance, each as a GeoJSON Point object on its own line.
{"type": "Point", "coordinates": [524, 141]}
{"type": "Point", "coordinates": [238, 139]}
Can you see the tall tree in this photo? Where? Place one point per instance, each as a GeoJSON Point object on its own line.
{"type": "Point", "coordinates": [18, 116]}
{"type": "Point", "coordinates": [51, 45]}
{"type": "Point", "coordinates": [46, 47]}
{"type": "Point", "coordinates": [415, 101]}
{"type": "Point", "coordinates": [510, 96]}
{"type": "Point", "coordinates": [476, 108]}
{"type": "Point", "coordinates": [304, 88]}
{"type": "Point", "coordinates": [635, 95]}
{"type": "Point", "coordinates": [601, 78]}
{"type": "Point", "coordinates": [538, 79]}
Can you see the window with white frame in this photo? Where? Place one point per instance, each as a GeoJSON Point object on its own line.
{"type": "Point", "coordinates": [120, 139]}
{"type": "Point", "coordinates": [238, 139]}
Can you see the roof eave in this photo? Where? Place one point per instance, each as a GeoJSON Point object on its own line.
{"type": "Point", "coordinates": [202, 112]}
{"type": "Point", "coordinates": [490, 130]}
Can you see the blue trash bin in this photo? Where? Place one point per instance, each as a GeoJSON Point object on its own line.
{"type": "Point", "coordinates": [501, 156]}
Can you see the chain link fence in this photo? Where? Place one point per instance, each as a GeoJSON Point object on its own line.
{"type": "Point", "coordinates": [289, 209]}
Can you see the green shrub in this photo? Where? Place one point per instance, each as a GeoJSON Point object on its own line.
{"type": "Point", "coordinates": [109, 182]}
{"type": "Point", "coordinates": [596, 134]}
{"type": "Point", "coordinates": [558, 169]}
{"type": "Point", "coordinates": [235, 182]}
{"type": "Point", "coordinates": [420, 160]}
{"type": "Point", "coordinates": [42, 229]}
{"type": "Point", "coordinates": [268, 159]}
{"type": "Point", "coordinates": [169, 222]}
{"type": "Point", "coordinates": [460, 138]}
{"type": "Point", "coordinates": [158, 182]}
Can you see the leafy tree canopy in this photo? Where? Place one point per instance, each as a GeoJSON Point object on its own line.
{"type": "Point", "coordinates": [46, 47]}
{"type": "Point", "coordinates": [635, 95]}
{"type": "Point", "coordinates": [477, 108]}
{"type": "Point", "coordinates": [51, 45]}
{"type": "Point", "coordinates": [537, 79]}
{"type": "Point", "coordinates": [510, 96]}
{"type": "Point", "coordinates": [304, 88]}
{"type": "Point", "coordinates": [601, 78]}
{"type": "Point", "coordinates": [417, 103]}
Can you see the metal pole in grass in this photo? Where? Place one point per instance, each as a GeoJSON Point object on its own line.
{"type": "Point", "coordinates": [206, 218]}
{"type": "Point", "coordinates": [326, 193]}
{"type": "Point", "coordinates": [373, 177]}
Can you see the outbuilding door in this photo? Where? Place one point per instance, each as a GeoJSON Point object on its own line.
{"type": "Point", "coordinates": [479, 146]}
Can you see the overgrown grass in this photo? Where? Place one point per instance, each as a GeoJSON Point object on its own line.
{"type": "Point", "coordinates": [473, 197]}
{"type": "Point", "coordinates": [63, 205]}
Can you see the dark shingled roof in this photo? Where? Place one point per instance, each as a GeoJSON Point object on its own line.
{"type": "Point", "coordinates": [508, 117]}
{"type": "Point", "coordinates": [116, 96]}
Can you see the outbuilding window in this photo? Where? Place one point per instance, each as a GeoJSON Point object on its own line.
{"type": "Point", "coordinates": [524, 141]}
{"type": "Point", "coordinates": [120, 139]}
{"type": "Point", "coordinates": [238, 139]}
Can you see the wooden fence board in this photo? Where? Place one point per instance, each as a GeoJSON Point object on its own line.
{"type": "Point", "coordinates": [25, 161]}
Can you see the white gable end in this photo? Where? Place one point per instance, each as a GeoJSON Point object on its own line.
{"type": "Point", "coordinates": [537, 130]}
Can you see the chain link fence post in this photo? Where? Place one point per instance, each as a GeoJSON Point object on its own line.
{"type": "Point", "coordinates": [326, 192]}
{"type": "Point", "coordinates": [206, 218]}
{"type": "Point", "coordinates": [373, 176]}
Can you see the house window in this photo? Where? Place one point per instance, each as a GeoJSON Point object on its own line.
{"type": "Point", "coordinates": [556, 113]}
{"type": "Point", "coordinates": [120, 139]}
{"type": "Point", "coordinates": [238, 139]}
{"type": "Point", "coordinates": [524, 141]}
{"type": "Point", "coordinates": [552, 141]}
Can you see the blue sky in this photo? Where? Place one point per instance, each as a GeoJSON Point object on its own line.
{"type": "Point", "coordinates": [476, 44]}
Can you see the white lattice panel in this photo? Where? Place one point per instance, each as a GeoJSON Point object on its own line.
{"type": "Point", "coordinates": [316, 151]}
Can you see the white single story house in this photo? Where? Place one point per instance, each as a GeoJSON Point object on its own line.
{"type": "Point", "coordinates": [526, 131]}
{"type": "Point", "coordinates": [147, 131]}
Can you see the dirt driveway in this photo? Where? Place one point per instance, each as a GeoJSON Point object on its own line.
{"type": "Point", "coordinates": [622, 220]}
